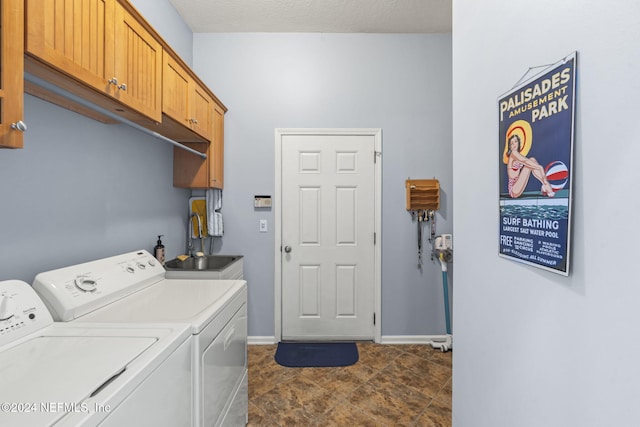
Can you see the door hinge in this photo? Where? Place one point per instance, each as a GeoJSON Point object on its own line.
{"type": "Point", "coordinates": [374, 318]}
{"type": "Point", "coordinates": [375, 156]}
{"type": "Point", "coordinates": [374, 238]}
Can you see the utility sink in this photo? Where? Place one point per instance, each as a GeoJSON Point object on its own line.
{"type": "Point", "coordinates": [217, 267]}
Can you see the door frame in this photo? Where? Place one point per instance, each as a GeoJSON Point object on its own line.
{"type": "Point", "coordinates": [277, 206]}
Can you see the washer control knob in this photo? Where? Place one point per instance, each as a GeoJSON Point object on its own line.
{"type": "Point", "coordinates": [7, 307]}
{"type": "Point", "coordinates": [141, 266]}
{"type": "Point", "coordinates": [86, 284]}
{"type": "Point", "coordinates": [130, 270]}
{"type": "Point", "coordinates": [152, 262]}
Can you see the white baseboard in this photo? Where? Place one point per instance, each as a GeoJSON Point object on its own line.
{"type": "Point", "coordinates": [411, 339]}
{"type": "Point", "coordinates": [257, 340]}
{"type": "Point", "coordinates": [386, 339]}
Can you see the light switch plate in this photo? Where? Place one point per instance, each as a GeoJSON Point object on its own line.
{"type": "Point", "coordinates": [263, 226]}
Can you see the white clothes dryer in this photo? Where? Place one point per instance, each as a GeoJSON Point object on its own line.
{"type": "Point", "coordinates": [76, 374]}
{"type": "Point", "coordinates": [131, 288]}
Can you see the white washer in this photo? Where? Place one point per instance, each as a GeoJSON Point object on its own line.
{"type": "Point", "coordinates": [88, 374]}
{"type": "Point", "coordinates": [131, 288]}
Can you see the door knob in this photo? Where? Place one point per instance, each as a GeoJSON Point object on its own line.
{"type": "Point", "coordinates": [287, 249]}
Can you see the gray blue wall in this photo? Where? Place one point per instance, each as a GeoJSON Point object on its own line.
{"type": "Point", "coordinates": [533, 348]}
{"type": "Point", "coordinates": [81, 190]}
{"type": "Point", "coordinates": [400, 83]}
{"type": "Point", "coordinates": [164, 18]}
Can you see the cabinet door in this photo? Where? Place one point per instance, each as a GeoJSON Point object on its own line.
{"type": "Point", "coordinates": [201, 111]}
{"type": "Point", "coordinates": [138, 66]}
{"type": "Point", "coordinates": [11, 74]}
{"type": "Point", "coordinates": [184, 100]}
{"type": "Point", "coordinates": [175, 90]}
{"type": "Point", "coordinates": [73, 36]}
{"type": "Point", "coordinates": [216, 151]}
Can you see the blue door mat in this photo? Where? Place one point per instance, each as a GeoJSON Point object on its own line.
{"type": "Point", "coordinates": [316, 355]}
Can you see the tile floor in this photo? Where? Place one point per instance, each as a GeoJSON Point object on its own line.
{"type": "Point", "coordinates": [391, 385]}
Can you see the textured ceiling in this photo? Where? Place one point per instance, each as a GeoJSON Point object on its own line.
{"type": "Point", "coordinates": [316, 16]}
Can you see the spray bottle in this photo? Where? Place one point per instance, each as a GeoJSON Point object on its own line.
{"type": "Point", "coordinates": [158, 251]}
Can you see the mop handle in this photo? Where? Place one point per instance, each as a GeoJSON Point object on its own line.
{"type": "Point", "coordinates": [445, 291]}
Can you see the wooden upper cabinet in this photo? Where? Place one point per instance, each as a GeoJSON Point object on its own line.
{"type": "Point", "coordinates": [186, 102]}
{"type": "Point", "coordinates": [138, 65]}
{"type": "Point", "coordinates": [100, 44]}
{"type": "Point", "coordinates": [104, 52]}
{"type": "Point", "coordinates": [192, 171]}
{"type": "Point", "coordinates": [11, 73]}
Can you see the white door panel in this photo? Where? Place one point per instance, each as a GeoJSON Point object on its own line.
{"type": "Point", "coordinates": [328, 222]}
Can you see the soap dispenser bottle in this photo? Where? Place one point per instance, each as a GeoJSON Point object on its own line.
{"type": "Point", "coordinates": [158, 251]}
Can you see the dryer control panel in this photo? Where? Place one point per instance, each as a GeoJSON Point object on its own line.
{"type": "Point", "coordinates": [22, 312]}
{"type": "Point", "coordinates": [74, 291]}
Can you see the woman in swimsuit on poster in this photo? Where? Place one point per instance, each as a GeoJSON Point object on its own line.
{"type": "Point", "coordinates": [520, 169]}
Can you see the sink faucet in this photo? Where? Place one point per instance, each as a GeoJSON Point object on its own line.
{"type": "Point", "coordinates": [189, 225]}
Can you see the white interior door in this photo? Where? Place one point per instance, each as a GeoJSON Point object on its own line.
{"type": "Point", "coordinates": [328, 258]}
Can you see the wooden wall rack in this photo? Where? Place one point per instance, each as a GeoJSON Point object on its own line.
{"type": "Point", "coordinates": [422, 194]}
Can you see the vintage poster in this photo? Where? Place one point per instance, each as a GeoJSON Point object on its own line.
{"type": "Point", "coordinates": [536, 131]}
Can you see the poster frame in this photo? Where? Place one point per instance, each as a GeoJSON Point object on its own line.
{"type": "Point", "coordinates": [538, 250]}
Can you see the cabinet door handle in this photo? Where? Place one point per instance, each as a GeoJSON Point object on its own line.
{"type": "Point", "coordinates": [114, 81]}
{"type": "Point", "coordinates": [19, 125]}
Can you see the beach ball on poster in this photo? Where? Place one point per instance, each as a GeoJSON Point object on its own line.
{"type": "Point", "coordinates": [557, 175]}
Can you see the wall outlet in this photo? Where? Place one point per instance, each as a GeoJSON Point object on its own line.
{"type": "Point", "coordinates": [263, 226]}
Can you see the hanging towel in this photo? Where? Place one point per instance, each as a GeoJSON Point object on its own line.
{"type": "Point", "coordinates": [219, 230]}
{"type": "Point", "coordinates": [214, 206]}
{"type": "Point", "coordinates": [197, 205]}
